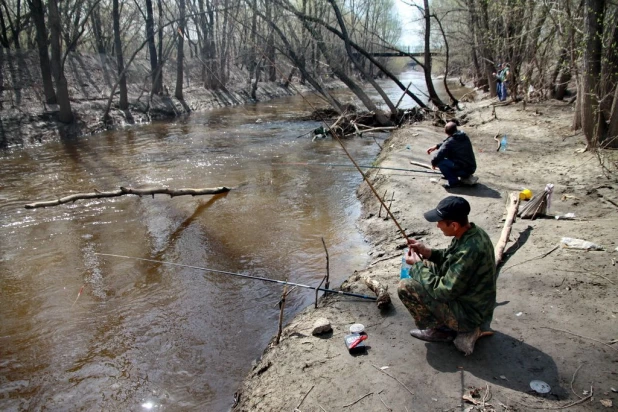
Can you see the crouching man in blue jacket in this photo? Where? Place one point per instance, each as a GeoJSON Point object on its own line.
{"type": "Point", "coordinates": [455, 157]}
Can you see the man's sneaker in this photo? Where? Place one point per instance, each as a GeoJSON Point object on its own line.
{"type": "Point", "coordinates": [470, 180]}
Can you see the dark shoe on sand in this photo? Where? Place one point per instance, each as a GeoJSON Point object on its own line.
{"type": "Point", "coordinates": [433, 335]}
{"type": "Point", "coordinates": [470, 180]}
{"type": "Point", "coordinates": [465, 341]}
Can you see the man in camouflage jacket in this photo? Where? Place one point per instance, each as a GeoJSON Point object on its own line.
{"type": "Point", "coordinates": [453, 292]}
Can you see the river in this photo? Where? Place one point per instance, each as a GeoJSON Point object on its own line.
{"type": "Point", "coordinates": [81, 331]}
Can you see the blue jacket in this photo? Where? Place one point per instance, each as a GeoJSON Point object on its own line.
{"type": "Point", "coordinates": [458, 149]}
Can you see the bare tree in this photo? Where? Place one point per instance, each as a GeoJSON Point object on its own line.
{"type": "Point", "coordinates": [122, 80]}
{"type": "Point", "coordinates": [180, 56]}
{"type": "Point", "coordinates": [38, 16]}
{"type": "Point", "coordinates": [65, 114]}
{"type": "Point", "coordinates": [157, 81]}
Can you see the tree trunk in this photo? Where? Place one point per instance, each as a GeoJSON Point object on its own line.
{"type": "Point", "coordinates": [152, 49]}
{"type": "Point", "coordinates": [270, 47]}
{"type": "Point", "coordinates": [348, 49]}
{"type": "Point", "coordinates": [609, 71]}
{"type": "Point", "coordinates": [474, 36]}
{"type": "Point", "coordinates": [62, 91]}
{"type": "Point", "coordinates": [593, 46]}
{"type": "Point", "coordinates": [484, 36]}
{"type": "Point", "coordinates": [159, 75]}
{"type": "Point", "coordinates": [339, 71]}
{"type": "Point", "coordinates": [577, 116]}
{"type": "Point", "coordinates": [4, 37]}
{"type": "Point", "coordinates": [181, 56]}
{"type": "Point", "coordinates": [358, 48]}
{"type": "Point", "coordinates": [454, 101]}
{"type": "Point", "coordinates": [122, 81]}
{"type": "Point", "coordinates": [299, 62]}
{"type": "Point", "coordinates": [95, 20]}
{"type": "Point", "coordinates": [612, 127]}
{"type": "Point", "coordinates": [38, 15]}
{"type": "Point", "coordinates": [559, 77]}
{"type": "Point", "coordinates": [433, 96]}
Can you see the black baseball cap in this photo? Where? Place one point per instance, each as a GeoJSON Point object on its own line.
{"type": "Point", "coordinates": [450, 208]}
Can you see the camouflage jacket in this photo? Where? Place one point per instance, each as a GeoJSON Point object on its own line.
{"type": "Point", "coordinates": [463, 276]}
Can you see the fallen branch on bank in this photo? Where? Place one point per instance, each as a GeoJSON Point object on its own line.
{"type": "Point", "coordinates": [129, 191]}
{"type": "Point", "coordinates": [421, 164]}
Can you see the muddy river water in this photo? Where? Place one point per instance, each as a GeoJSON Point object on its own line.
{"type": "Point", "coordinates": [81, 331]}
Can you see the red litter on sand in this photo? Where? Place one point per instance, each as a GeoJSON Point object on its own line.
{"type": "Point", "coordinates": [355, 340]}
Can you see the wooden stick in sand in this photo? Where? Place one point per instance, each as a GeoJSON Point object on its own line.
{"type": "Point", "coordinates": [282, 306]}
{"type": "Point", "coordinates": [421, 164]}
{"type": "Point", "coordinates": [511, 213]}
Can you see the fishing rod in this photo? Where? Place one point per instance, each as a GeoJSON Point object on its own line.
{"type": "Point", "coordinates": [223, 272]}
{"type": "Point", "coordinates": [366, 166]}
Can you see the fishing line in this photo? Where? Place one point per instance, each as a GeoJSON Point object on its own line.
{"type": "Point", "coordinates": [365, 166]}
{"type": "Point", "coordinates": [332, 131]}
{"type": "Point", "coordinates": [223, 272]}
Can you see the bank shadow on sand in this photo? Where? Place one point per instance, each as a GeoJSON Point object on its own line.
{"type": "Point", "coordinates": [500, 360]}
{"type": "Point", "coordinates": [478, 190]}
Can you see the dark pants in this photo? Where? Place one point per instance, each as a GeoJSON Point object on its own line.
{"type": "Point", "coordinates": [451, 172]}
{"type": "Point", "coordinates": [427, 312]}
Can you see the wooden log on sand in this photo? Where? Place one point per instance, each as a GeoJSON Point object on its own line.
{"type": "Point", "coordinates": [511, 211]}
{"type": "Point", "coordinates": [381, 291]}
{"type": "Point", "coordinates": [130, 191]}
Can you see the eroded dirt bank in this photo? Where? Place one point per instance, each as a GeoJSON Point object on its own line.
{"type": "Point", "coordinates": [556, 313]}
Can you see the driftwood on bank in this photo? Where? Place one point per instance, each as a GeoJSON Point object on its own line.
{"type": "Point", "coordinates": [538, 205]}
{"type": "Point", "coordinates": [381, 291]}
{"type": "Point", "coordinates": [511, 212]}
{"type": "Point", "coordinates": [352, 123]}
{"type": "Point", "coordinates": [421, 164]}
{"type": "Point", "coordinates": [129, 191]}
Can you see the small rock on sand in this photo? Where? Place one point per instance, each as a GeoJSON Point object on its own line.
{"type": "Point", "coordinates": [321, 326]}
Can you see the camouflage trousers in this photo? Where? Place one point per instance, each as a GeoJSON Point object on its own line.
{"type": "Point", "coordinates": [427, 312]}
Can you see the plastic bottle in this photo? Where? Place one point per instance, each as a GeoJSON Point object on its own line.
{"type": "Point", "coordinates": [405, 267]}
{"type": "Point", "coordinates": [503, 144]}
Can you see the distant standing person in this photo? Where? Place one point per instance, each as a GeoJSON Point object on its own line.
{"type": "Point", "coordinates": [455, 157]}
{"type": "Point", "coordinates": [506, 74]}
{"type": "Point", "coordinates": [497, 75]}
{"type": "Point", "coordinates": [453, 293]}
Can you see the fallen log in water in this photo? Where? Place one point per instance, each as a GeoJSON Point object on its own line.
{"type": "Point", "coordinates": [130, 191]}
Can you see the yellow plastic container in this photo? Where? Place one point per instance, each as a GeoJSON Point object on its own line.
{"type": "Point", "coordinates": [525, 194]}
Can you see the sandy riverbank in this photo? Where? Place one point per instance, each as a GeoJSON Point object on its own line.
{"type": "Point", "coordinates": [555, 314]}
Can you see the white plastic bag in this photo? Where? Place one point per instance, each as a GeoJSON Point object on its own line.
{"type": "Point", "coordinates": [572, 243]}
